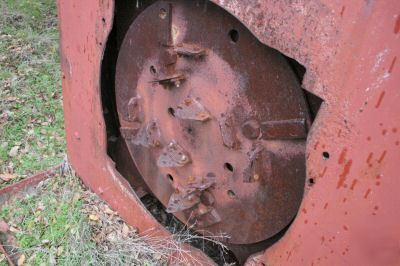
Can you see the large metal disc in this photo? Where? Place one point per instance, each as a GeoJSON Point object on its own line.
{"type": "Point", "coordinates": [214, 120]}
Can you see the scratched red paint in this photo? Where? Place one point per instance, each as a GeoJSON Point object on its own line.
{"type": "Point", "coordinates": [397, 25]}
{"type": "Point", "coordinates": [382, 157]}
{"type": "Point", "coordinates": [323, 172]}
{"type": "Point", "coordinates": [392, 65]}
{"type": "Point", "coordinates": [343, 175]}
{"type": "Point", "coordinates": [367, 193]}
{"type": "Point", "coordinates": [353, 184]}
{"type": "Point", "coordinates": [369, 157]}
{"type": "Point", "coordinates": [342, 156]}
{"type": "Point", "coordinates": [378, 103]}
{"type": "Point", "coordinates": [342, 11]}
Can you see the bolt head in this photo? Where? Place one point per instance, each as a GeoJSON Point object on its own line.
{"type": "Point", "coordinates": [251, 129]}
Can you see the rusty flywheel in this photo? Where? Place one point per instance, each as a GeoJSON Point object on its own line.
{"type": "Point", "coordinates": [214, 120]}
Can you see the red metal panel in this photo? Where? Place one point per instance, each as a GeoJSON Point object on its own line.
{"type": "Point", "coordinates": [349, 215]}
{"type": "Point", "coordinates": [26, 185]}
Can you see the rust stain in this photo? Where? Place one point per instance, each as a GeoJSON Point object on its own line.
{"type": "Point", "coordinates": [304, 210]}
{"type": "Point", "coordinates": [394, 130]}
{"type": "Point", "coordinates": [353, 184]}
{"type": "Point", "coordinates": [367, 193]}
{"type": "Point", "coordinates": [397, 143]}
{"type": "Point", "coordinates": [382, 157]}
{"type": "Point", "coordinates": [392, 64]}
{"type": "Point", "coordinates": [343, 175]}
{"type": "Point", "coordinates": [345, 228]}
{"type": "Point", "coordinates": [384, 132]}
{"type": "Point", "coordinates": [378, 183]}
{"type": "Point", "coordinates": [290, 253]}
{"type": "Point", "coordinates": [342, 156]}
{"type": "Point", "coordinates": [326, 206]}
{"type": "Point", "coordinates": [397, 25]}
{"type": "Point", "coordinates": [368, 138]}
{"type": "Point", "coordinates": [378, 103]}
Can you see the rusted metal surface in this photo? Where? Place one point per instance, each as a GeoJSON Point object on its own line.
{"type": "Point", "coordinates": [84, 27]}
{"type": "Point", "coordinates": [26, 185]}
{"type": "Point", "coordinates": [350, 50]}
{"type": "Point", "coordinates": [8, 257]}
{"type": "Point", "coordinates": [208, 89]}
{"type": "Point", "coordinates": [349, 214]}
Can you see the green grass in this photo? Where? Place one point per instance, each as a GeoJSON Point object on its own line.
{"type": "Point", "coordinates": [50, 226]}
{"type": "Point", "coordinates": [30, 96]}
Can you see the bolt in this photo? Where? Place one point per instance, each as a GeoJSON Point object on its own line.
{"type": "Point", "coordinates": [251, 129]}
{"type": "Point", "coordinates": [183, 158]}
{"type": "Point", "coordinates": [256, 177]}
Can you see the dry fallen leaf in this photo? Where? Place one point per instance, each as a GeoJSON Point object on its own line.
{"type": "Point", "coordinates": [21, 260]}
{"type": "Point", "coordinates": [60, 250]}
{"type": "Point", "coordinates": [7, 177]}
{"type": "Point", "coordinates": [14, 151]}
{"type": "Point", "coordinates": [76, 197]}
{"type": "Point", "coordinates": [41, 206]}
{"type": "Point", "coordinates": [125, 230]}
{"type": "Point", "coordinates": [13, 229]}
{"type": "Point", "coordinates": [157, 256]}
{"type": "Point", "coordinates": [107, 210]}
{"type": "Point", "coordinates": [93, 217]}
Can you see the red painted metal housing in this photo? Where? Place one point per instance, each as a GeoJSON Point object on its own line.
{"type": "Point", "coordinates": [350, 211]}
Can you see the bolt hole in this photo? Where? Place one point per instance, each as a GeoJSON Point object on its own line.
{"type": "Point", "coordinates": [170, 177]}
{"type": "Point", "coordinates": [163, 13]}
{"type": "Point", "coordinates": [325, 155]}
{"type": "Point", "coordinates": [228, 167]}
{"type": "Point", "coordinates": [171, 111]}
{"type": "Point", "coordinates": [311, 181]}
{"type": "Point", "coordinates": [234, 35]}
{"type": "Point", "coordinates": [231, 194]}
{"type": "Point", "coordinates": [190, 130]}
{"type": "Point", "coordinates": [153, 70]}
